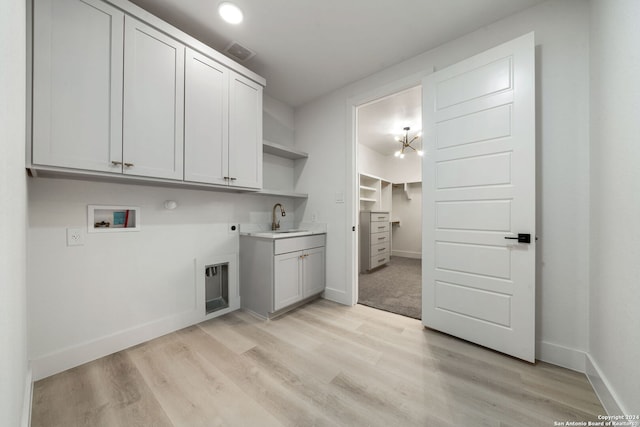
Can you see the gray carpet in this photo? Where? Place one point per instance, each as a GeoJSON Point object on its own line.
{"type": "Point", "coordinates": [397, 287]}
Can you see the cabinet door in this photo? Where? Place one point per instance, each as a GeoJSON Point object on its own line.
{"type": "Point", "coordinates": [77, 85]}
{"type": "Point", "coordinates": [245, 132]}
{"type": "Point", "coordinates": [287, 286]}
{"type": "Point", "coordinates": [313, 271]}
{"type": "Point", "coordinates": [153, 102]}
{"type": "Point", "coordinates": [206, 126]}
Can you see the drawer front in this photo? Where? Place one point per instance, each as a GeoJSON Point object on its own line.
{"type": "Point", "coordinates": [377, 238]}
{"type": "Point", "coordinates": [379, 227]}
{"type": "Point", "coordinates": [378, 260]}
{"type": "Point", "coordinates": [381, 249]}
{"type": "Point", "coordinates": [379, 217]}
{"type": "Point", "coordinates": [293, 244]}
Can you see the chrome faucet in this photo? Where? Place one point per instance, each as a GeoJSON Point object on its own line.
{"type": "Point", "coordinates": [275, 225]}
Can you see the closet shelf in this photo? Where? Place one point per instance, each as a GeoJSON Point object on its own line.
{"type": "Point", "coordinates": [364, 187]}
{"type": "Point", "coordinates": [282, 151]}
{"type": "Point", "coordinates": [367, 199]}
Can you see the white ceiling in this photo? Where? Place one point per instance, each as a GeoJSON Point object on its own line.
{"type": "Point", "coordinates": [307, 48]}
{"type": "Point", "coordinates": [379, 122]}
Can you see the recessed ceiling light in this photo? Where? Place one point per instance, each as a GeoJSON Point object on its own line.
{"type": "Point", "coordinates": [230, 13]}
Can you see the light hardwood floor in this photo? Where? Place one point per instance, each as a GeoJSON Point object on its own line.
{"type": "Point", "coordinates": [321, 365]}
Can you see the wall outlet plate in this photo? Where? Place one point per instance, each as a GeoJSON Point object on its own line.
{"type": "Point", "coordinates": [75, 236]}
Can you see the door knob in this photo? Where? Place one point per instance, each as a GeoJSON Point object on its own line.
{"type": "Point", "coordinates": [522, 238]}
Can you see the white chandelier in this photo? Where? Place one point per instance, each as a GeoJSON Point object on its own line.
{"type": "Point", "coordinates": [406, 143]}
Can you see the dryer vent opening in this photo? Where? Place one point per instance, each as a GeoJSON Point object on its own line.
{"type": "Point", "coordinates": [216, 283]}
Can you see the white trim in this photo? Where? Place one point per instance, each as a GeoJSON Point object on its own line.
{"type": "Point", "coordinates": [604, 390]}
{"type": "Point", "coordinates": [407, 254]}
{"type": "Point", "coordinates": [352, 178]}
{"type": "Point", "coordinates": [27, 399]}
{"type": "Point", "coordinates": [558, 355]}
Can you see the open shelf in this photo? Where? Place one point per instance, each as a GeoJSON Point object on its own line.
{"type": "Point", "coordinates": [368, 199]}
{"type": "Point", "coordinates": [282, 193]}
{"type": "Point", "coordinates": [283, 151]}
{"type": "Point", "coordinates": [364, 187]}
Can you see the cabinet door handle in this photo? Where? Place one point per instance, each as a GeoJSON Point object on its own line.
{"type": "Point", "coordinates": [380, 260]}
{"type": "Point", "coordinates": [382, 249]}
{"type": "Point", "coordinates": [381, 238]}
{"type": "Point", "coordinates": [382, 226]}
{"type": "Point", "coordinates": [129, 165]}
{"type": "Point", "coordinates": [115, 163]}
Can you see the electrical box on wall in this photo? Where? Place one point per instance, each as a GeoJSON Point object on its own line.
{"type": "Point", "coordinates": [101, 219]}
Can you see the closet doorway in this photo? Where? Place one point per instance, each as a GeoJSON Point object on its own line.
{"type": "Point", "coordinates": [389, 168]}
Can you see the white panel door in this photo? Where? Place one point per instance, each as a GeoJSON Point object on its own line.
{"type": "Point", "coordinates": [313, 271]}
{"type": "Point", "coordinates": [245, 132]}
{"type": "Point", "coordinates": [287, 286]}
{"type": "Point", "coordinates": [206, 116]}
{"type": "Point", "coordinates": [479, 193]}
{"type": "Point", "coordinates": [153, 103]}
{"type": "Point", "coordinates": [77, 85]}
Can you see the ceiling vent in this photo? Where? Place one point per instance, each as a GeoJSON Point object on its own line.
{"type": "Point", "coordinates": [239, 52]}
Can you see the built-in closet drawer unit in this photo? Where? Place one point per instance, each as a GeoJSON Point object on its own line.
{"type": "Point", "coordinates": [375, 239]}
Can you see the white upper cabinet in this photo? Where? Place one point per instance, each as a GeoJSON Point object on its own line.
{"type": "Point", "coordinates": [77, 85]}
{"type": "Point", "coordinates": [245, 132]}
{"type": "Point", "coordinates": [113, 94]}
{"type": "Point", "coordinates": [153, 102]}
{"type": "Point", "coordinates": [206, 122]}
{"type": "Point", "coordinates": [223, 125]}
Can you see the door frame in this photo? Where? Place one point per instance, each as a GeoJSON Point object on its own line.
{"type": "Point", "coordinates": [352, 182]}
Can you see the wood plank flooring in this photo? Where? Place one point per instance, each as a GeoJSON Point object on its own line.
{"type": "Point", "coordinates": [323, 364]}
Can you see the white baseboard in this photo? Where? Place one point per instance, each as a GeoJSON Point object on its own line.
{"type": "Point", "coordinates": [336, 296]}
{"type": "Point", "coordinates": [27, 399]}
{"type": "Point", "coordinates": [603, 388]}
{"type": "Point", "coordinates": [555, 354]}
{"type": "Point", "coordinates": [406, 254]}
{"type": "Point", "coordinates": [77, 355]}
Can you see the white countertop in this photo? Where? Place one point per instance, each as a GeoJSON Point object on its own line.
{"type": "Point", "coordinates": [281, 234]}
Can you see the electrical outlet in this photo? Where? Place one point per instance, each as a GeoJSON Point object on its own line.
{"type": "Point", "coordinates": [75, 237]}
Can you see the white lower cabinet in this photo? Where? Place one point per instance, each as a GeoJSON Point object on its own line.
{"type": "Point", "coordinates": [298, 275]}
{"type": "Point", "coordinates": [276, 274]}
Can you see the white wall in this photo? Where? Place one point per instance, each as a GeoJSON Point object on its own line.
{"type": "Point", "coordinates": [562, 39]}
{"type": "Point", "coordinates": [119, 289]}
{"type": "Point", "coordinates": [407, 208]}
{"type": "Point", "coordinates": [371, 162]}
{"type": "Point", "coordinates": [390, 167]}
{"type": "Point", "coordinates": [15, 382]}
{"type": "Point", "coordinates": [614, 316]}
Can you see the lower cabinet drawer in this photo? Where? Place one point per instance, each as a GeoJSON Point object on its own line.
{"type": "Point", "coordinates": [378, 260]}
{"type": "Point", "coordinates": [377, 238]}
{"type": "Point", "coordinates": [380, 249]}
{"type": "Point", "coordinates": [292, 244]}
